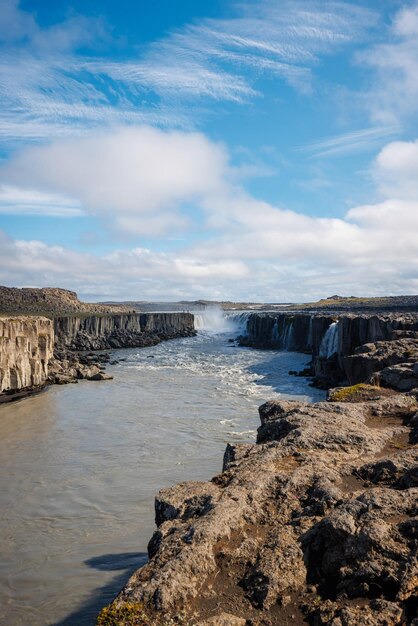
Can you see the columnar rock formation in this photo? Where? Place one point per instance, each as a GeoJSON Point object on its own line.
{"type": "Point", "coordinates": [332, 340]}
{"type": "Point", "coordinates": [26, 346]}
{"type": "Point", "coordinates": [103, 332]}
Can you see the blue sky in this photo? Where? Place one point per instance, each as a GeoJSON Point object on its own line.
{"type": "Point", "coordinates": [209, 149]}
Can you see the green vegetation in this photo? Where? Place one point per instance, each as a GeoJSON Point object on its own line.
{"type": "Point", "coordinates": [356, 393]}
{"type": "Point", "coordinates": [134, 614]}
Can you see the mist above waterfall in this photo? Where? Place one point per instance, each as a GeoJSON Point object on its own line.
{"type": "Point", "coordinates": [215, 320]}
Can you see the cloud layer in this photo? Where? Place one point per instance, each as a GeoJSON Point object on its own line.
{"type": "Point", "coordinates": [98, 141]}
{"type": "Point", "coordinates": [135, 177]}
{"type": "Point", "coordinates": [142, 179]}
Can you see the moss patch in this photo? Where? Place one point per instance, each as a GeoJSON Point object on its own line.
{"type": "Point", "coordinates": [134, 614]}
{"type": "Point", "coordinates": [355, 393]}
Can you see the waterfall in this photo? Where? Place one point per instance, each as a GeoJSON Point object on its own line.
{"type": "Point", "coordinates": [238, 320]}
{"type": "Point", "coordinates": [214, 320]}
{"type": "Point", "coordinates": [275, 332]}
{"type": "Point", "coordinates": [288, 337]}
{"type": "Point", "coordinates": [310, 333]}
{"type": "Point", "coordinates": [329, 343]}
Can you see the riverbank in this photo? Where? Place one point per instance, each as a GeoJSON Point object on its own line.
{"type": "Point", "coordinates": [316, 523]}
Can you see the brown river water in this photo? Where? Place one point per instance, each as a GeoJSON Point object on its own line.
{"type": "Point", "coordinates": [81, 464]}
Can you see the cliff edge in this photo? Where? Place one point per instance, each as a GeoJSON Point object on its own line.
{"type": "Point", "coordinates": [315, 524]}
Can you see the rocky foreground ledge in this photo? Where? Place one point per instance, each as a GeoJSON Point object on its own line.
{"type": "Point", "coordinates": [316, 523]}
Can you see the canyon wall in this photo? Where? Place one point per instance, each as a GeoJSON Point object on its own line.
{"type": "Point", "coordinates": [28, 343]}
{"type": "Point", "coordinates": [331, 339]}
{"type": "Point", "coordinates": [126, 330]}
{"type": "Point", "coordinates": [26, 346]}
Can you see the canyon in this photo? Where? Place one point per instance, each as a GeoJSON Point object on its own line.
{"type": "Point", "coordinates": [314, 523]}
{"type": "Point", "coordinates": [36, 350]}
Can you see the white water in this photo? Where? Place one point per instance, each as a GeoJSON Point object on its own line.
{"type": "Point", "coordinates": [81, 465]}
{"type": "Point", "coordinates": [288, 339]}
{"type": "Point", "coordinates": [329, 343]}
{"type": "Point", "coordinates": [310, 333]}
{"type": "Point", "coordinates": [215, 321]}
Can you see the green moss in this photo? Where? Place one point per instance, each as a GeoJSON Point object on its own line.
{"type": "Point", "coordinates": [134, 614]}
{"type": "Point", "coordinates": [355, 393]}
{"type": "Point", "coordinates": [130, 614]}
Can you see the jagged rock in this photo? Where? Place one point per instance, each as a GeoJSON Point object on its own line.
{"type": "Point", "coordinates": [318, 523]}
{"type": "Point", "coordinates": [63, 379]}
{"type": "Point", "coordinates": [377, 613]}
{"type": "Point", "coordinates": [374, 357]}
{"type": "Point", "coordinates": [402, 377]}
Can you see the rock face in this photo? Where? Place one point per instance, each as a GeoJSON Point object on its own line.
{"type": "Point", "coordinates": [317, 521]}
{"type": "Point", "coordinates": [130, 330]}
{"type": "Point", "coordinates": [331, 339]}
{"type": "Point", "coordinates": [29, 345]}
{"type": "Point", "coordinates": [373, 357]}
{"type": "Point", "coordinates": [26, 346]}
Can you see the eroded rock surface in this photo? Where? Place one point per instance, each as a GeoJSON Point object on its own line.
{"type": "Point", "coordinates": [317, 523]}
{"type": "Point", "coordinates": [26, 346]}
{"type": "Point", "coordinates": [374, 357]}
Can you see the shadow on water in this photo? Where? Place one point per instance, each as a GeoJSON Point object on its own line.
{"type": "Point", "coordinates": [275, 368]}
{"type": "Point", "coordinates": [126, 563]}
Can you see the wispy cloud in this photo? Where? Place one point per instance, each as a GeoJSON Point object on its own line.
{"type": "Point", "coordinates": [47, 88]}
{"type": "Point", "coordinates": [18, 201]}
{"type": "Point", "coordinates": [352, 142]}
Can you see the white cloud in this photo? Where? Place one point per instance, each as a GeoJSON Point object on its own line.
{"type": "Point", "coordinates": [259, 250]}
{"type": "Point", "coordinates": [372, 252]}
{"type": "Point", "coordinates": [18, 201]}
{"type": "Point", "coordinates": [352, 142]}
{"type": "Point", "coordinates": [122, 273]}
{"type": "Point", "coordinates": [15, 24]}
{"type": "Point", "coordinates": [396, 170]}
{"type": "Point", "coordinates": [393, 95]}
{"type": "Point", "coordinates": [144, 180]}
{"type": "Point", "coordinates": [136, 177]}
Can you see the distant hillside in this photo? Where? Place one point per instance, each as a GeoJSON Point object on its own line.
{"type": "Point", "coordinates": [48, 301]}
{"type": "Point", "coordinates": [54, 301]}
{"type": "Point", "coordinates": [352, 303]}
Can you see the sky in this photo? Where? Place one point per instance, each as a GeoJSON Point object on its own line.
{"type": "Point", "coordinates": [247, 150]}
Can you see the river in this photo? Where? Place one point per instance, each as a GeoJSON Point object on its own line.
{"type": "Point", "coordinates": [81, 465]}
